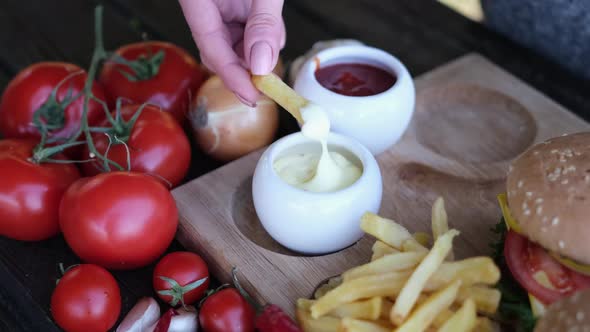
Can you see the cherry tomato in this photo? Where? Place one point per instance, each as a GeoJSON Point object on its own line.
{"type": "Point", "coordinates": [227, 311]}
{"type": "Point", "coordinates": [30, 89]}
{"type": "Point", "coordinates": [118, 220]}
{"type": "Point", "coordinates": [86, 299]}
{"type": "Point", "coordinates": [156, 144]}
{"type": "Point", "coordinates": [525, 258]}
{"type": "Point", "coordinates": [189, 274]}
{"type": "Point", "coordinates": [29, 192]}
{"type": "Point", "coordinates": [167, 82]}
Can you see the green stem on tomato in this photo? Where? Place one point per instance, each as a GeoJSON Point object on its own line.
{"type": "Point", "coordinates": [177, 291]}
{"type": "Point", "coordinates": [51, 114]}
{"type": "Point", "coordinates": [210, 292]}
{"type": "Point", "coordinates": [105, 108]}
{"type": "Point", "coordinates": [143, 68]}
{"type": "Point", "coordinates": [63, 271]}
{"type": "Point", "coordinates": [42, 154]}
{"type": "Point", "coordinates": [98, 56]}
{"type": "Point", "coordinates": [120, 130]}
{"type": "Point", "coordinates": [243, 292]}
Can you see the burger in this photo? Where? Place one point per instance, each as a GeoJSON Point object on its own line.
{"type": "Point", "coordinates": [546, 237]}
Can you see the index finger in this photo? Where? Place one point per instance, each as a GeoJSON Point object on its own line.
{"type": "Point", "coordinates": [215, 45]}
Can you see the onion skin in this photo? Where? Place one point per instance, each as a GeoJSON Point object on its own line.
{"type": "Point", "coordinates": [186, 320]}
{"type": "Point", "coordinates": [142, 317]}
{"type": "Point", "coordinates": [226, 129]}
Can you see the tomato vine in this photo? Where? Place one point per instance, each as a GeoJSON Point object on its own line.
{"type": "Point", "coordinates": [50, 115]}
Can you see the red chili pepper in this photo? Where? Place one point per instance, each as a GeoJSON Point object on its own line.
{"type": "Point", "coordinates": [270, 318]}
{"type": "Point", "coordinates": [164, 321]}
{"type": "Point", "coordinates": [274, 319]}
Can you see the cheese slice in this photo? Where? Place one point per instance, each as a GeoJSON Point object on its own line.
{"type": "Point", "coordinates": [541, 277]}
{"type": "Point", "coordinates": [537, 306]}
{"type": "Point", "coordinates": [571, 264]}
{"type": "Point", "coordinates": [511, 223]}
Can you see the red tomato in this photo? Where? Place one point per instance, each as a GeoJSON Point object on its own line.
{"type": "Point", "coordinates": [86, 299]}
{"type": "Point", "coordinates": [30, 193]}
{"type": "Point", "coordinates": [168, 84]}
{"type": "Point", "coordinates": [189, 273]}
{"type": "Point", "coordinates": [30, 89]}
{"type": "Point", "coordinates": [119, 220]}
{"type": "Point", "coordinates": [524, 258]}
{"type": "Point", "coordinates": [156, 144]}
{"type": "Point", "coordinates": [226, 311]}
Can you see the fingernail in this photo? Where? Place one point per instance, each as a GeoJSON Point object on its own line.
{"type": "Point", "coordinates": [260, 58]}
{"type": "Point", "coordinates": [244, 101]}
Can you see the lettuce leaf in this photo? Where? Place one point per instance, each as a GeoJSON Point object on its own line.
{"type": "Point", "coordinates": [515, 311]}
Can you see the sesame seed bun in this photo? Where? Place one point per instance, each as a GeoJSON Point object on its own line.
{"type": "Point", "coordinates": [548, 189]}
{"type": "Point", "coordinates": [568, 314]}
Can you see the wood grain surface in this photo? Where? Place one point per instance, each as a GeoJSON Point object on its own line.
{"type": "Point", "coordinates": [422, 33]}
{"type": "Point", "coordinates": [471, 119]}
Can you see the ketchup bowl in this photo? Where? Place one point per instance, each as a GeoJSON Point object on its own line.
{"type": "Point", "coordinates": [315, 223]}
{"type": "Point", "coordinates": [368, 93]}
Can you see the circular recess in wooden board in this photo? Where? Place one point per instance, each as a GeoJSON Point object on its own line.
{"type": "Point", "coordinates": [472, 124]}
{"type": "Point", "coordinates": [247, 222]}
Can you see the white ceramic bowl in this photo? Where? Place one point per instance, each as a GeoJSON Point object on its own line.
{"type": "Point", "coordinates": [377, 121]}
{"type": "Point", "coordinates": [315, 223]}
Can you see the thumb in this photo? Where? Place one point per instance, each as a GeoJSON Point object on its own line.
{"type": "Point", "coordinates": [263, 35]}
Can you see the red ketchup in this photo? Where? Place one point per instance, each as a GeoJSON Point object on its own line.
{"type": "Point", "coordinates": [355, 79]}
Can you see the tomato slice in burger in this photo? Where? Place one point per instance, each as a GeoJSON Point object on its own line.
{"type": "Point", "coordinates": [525, 258]}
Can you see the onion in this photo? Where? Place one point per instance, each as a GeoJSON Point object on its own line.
{"type": "Point", "coordinates": [226, 129]}
{"type": "Point", "coordinates": [186, 320]}
{"type": "Point", "coordinates": [142, 317]}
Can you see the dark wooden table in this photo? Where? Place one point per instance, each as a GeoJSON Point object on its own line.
{"type": "Point", "coordinates": [422, 33]}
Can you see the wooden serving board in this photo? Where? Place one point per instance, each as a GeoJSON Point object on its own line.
{"type": "Point", "coordinates": [471, 119]}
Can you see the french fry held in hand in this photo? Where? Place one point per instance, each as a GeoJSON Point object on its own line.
{"type": "Point", "coordinates": [407, 285]}
{"type": "Point", "coordinates": [273, 87]}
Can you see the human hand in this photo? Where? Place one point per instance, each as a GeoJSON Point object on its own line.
{"type": "Point", "coordinates": [234, 36]}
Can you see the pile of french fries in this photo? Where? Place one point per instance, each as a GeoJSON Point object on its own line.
{"type": "Point", "coordinates": [407, 286]}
